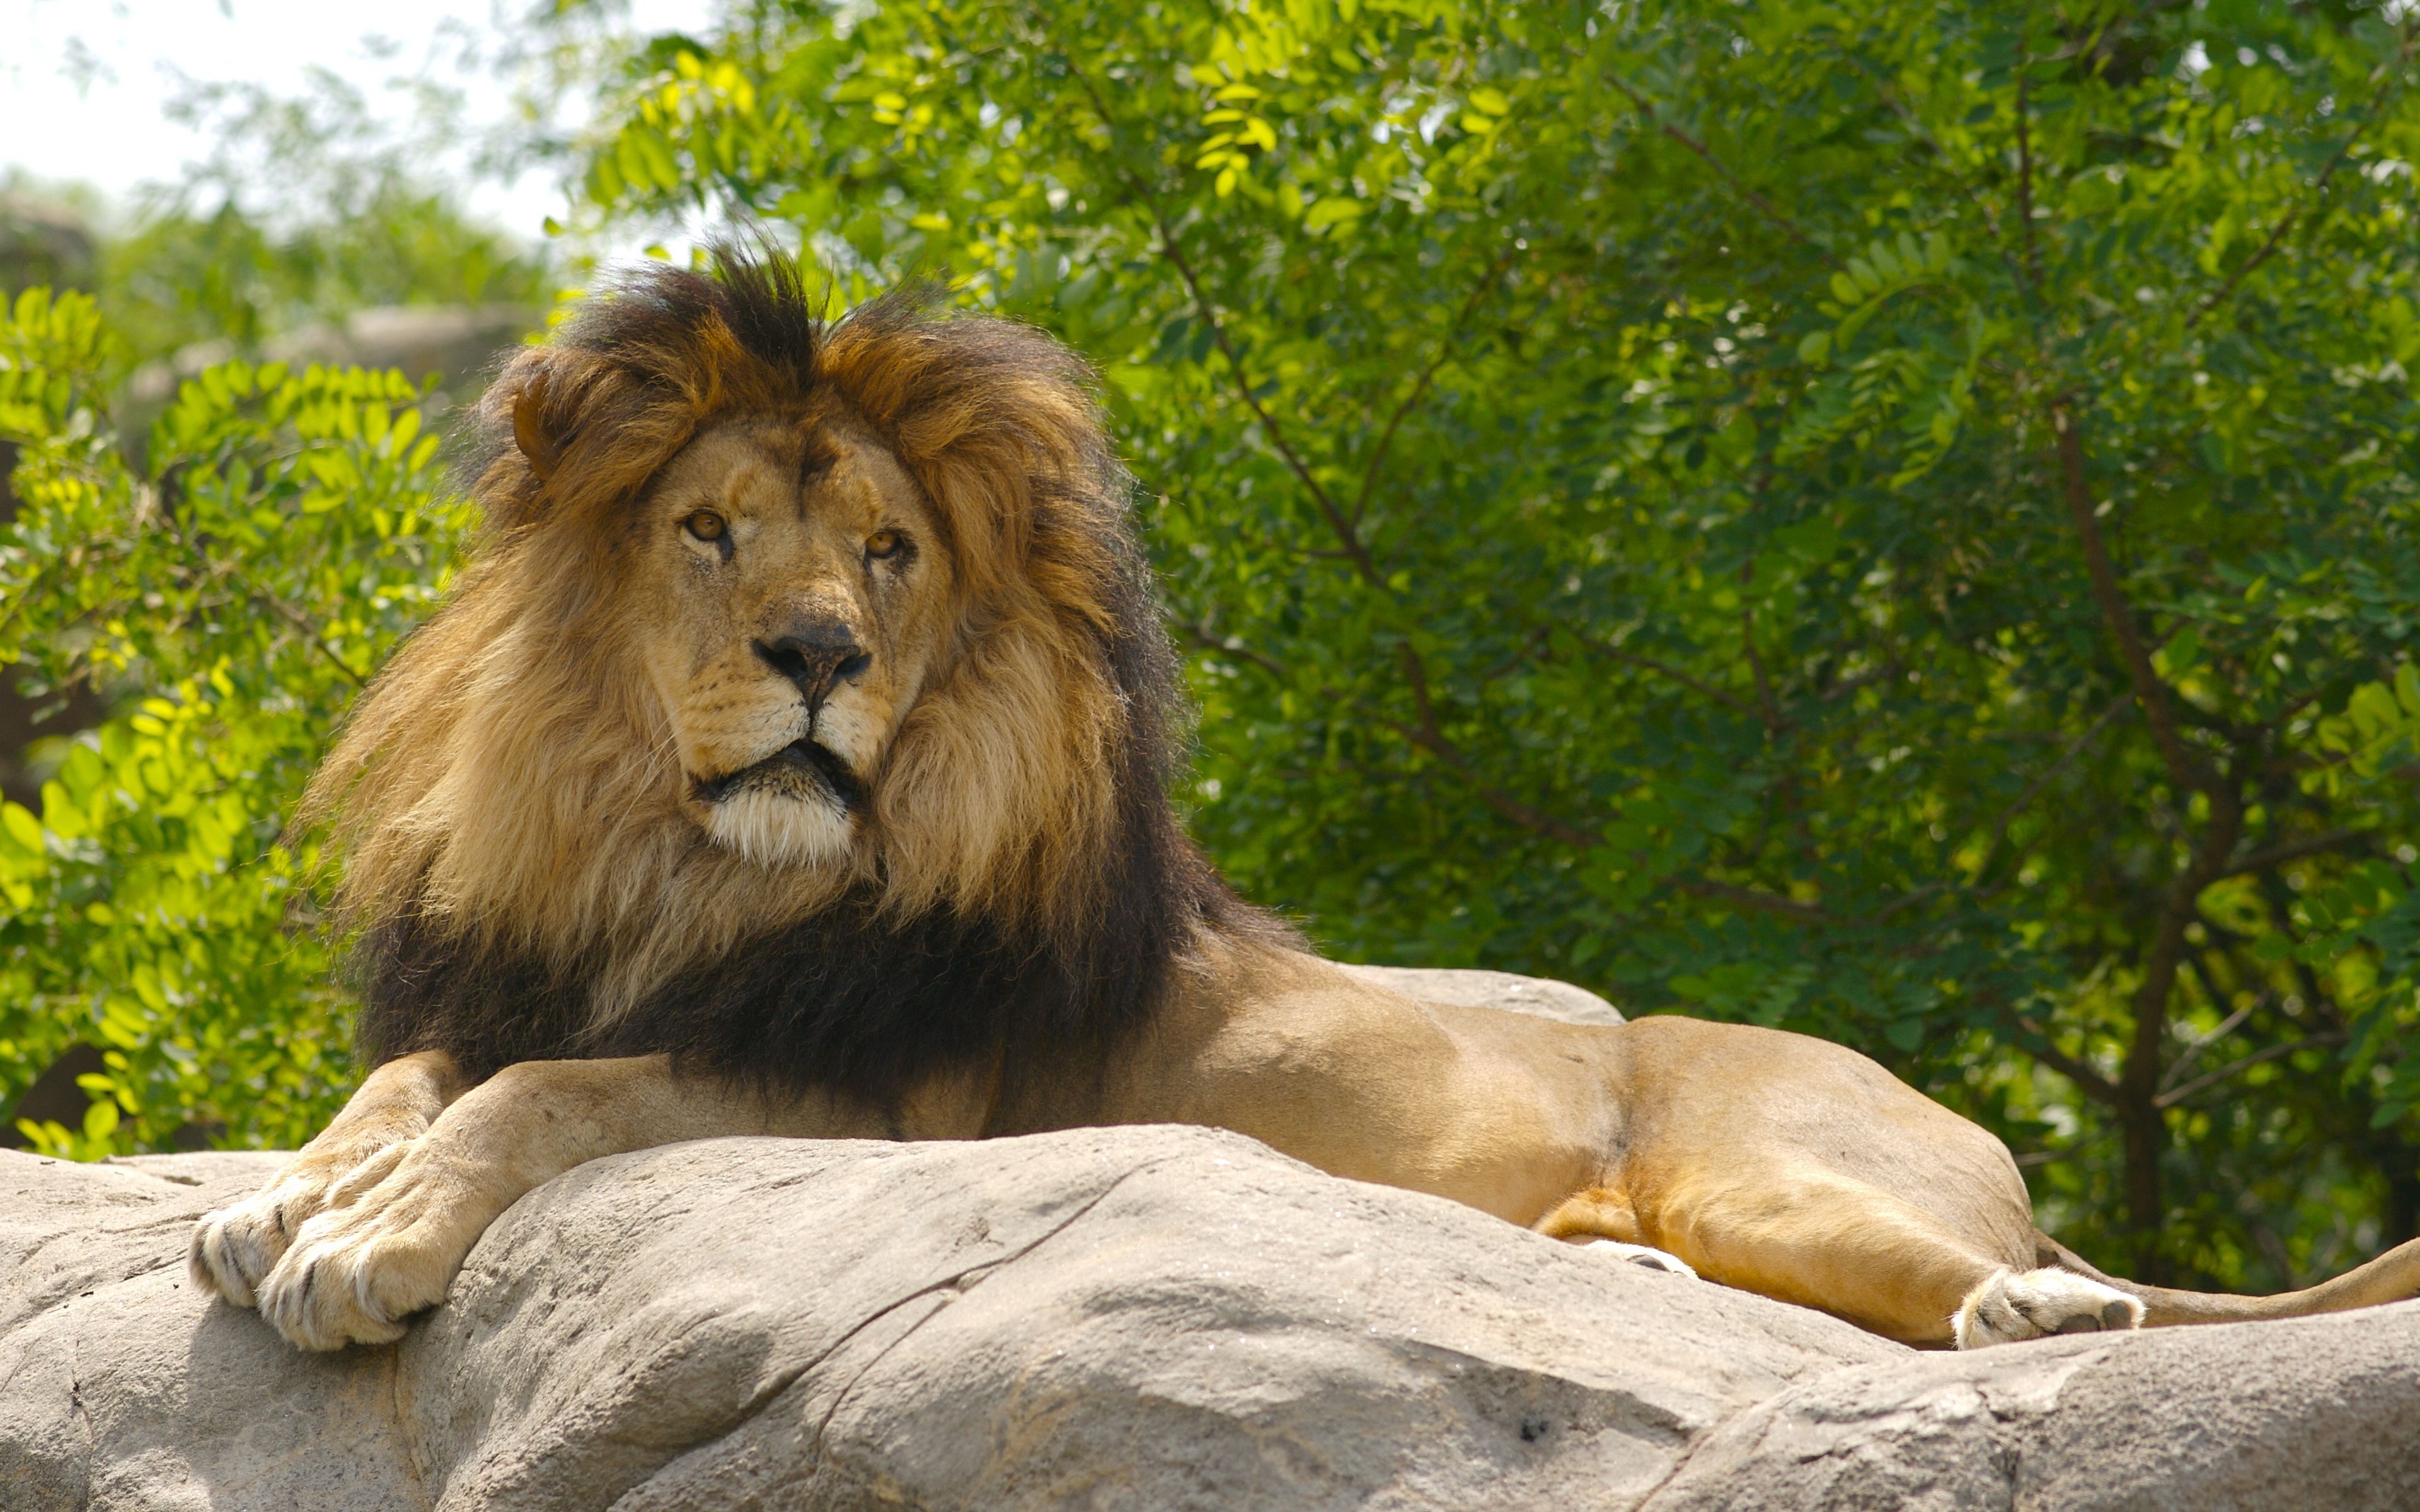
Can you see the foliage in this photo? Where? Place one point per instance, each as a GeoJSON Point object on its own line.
{"type": "Point", "coordinates": [1868, 516]}
{"type": "Point", "coordinates": [288, 530]}
{"type": "Point", "coordinates": [306, 209]}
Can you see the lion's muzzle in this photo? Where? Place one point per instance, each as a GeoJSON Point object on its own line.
{"type": "Point", "coordinates": [801, 769]}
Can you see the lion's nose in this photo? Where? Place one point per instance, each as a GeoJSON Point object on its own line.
{"type": "Point", "coordinates": [817, 656]}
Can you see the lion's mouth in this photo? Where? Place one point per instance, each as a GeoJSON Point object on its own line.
{"type": "Point", "coordinates": [801, 769]}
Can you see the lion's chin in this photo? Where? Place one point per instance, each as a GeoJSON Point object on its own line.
{"type": "Point", "coordinates": [781, 827]}
{"type": "Point", "coordinates": [791, 809]}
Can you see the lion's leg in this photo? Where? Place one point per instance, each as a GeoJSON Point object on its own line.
{"type": "Point", "coordinates": [235, 1247]}
{"type": "Point", "coordinates": [1599, 1220]}
{"type": "Point", "coordinates": [355, 1273]}
{"type": "Point", "coordinates": [1816, 1237]}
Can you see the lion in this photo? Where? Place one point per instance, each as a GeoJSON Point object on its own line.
{"type": "Point", "coordinates": [792, 758]}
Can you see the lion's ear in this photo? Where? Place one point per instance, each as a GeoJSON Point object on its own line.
{"type": "Point", "coordinates": [532, 431]}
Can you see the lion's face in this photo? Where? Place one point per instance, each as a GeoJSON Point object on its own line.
{"type": "Point", "coordinates": [772, 613]}
{"type": "Point", "coordinates": [795, 595]}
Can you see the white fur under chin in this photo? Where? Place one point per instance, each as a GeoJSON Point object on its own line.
{"type": "Point", "coordinates": [2031, 1304]}
{"type": "Point", "coordinates": [779, 829]}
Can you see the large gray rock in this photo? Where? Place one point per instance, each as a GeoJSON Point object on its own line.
{"type": "Point", "coordinates": [1149, 1318]}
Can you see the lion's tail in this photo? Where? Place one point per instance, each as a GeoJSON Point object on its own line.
{"type": "Point", "coordinates": [2394, 1276]}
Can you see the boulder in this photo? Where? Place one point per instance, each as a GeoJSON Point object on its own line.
{"type": "Point", "coordinates": [1148, 1316]}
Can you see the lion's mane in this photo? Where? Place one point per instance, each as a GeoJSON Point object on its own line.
{"type": "Point", "coordinates": [521, 884]}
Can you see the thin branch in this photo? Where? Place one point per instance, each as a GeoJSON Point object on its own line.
{"type": "Point", "coordinates": [1420, 389]}
{"type": "Point", "coordinates": [1427, 737]}
{"type": "Point", "coordinates": [2294, 850]}
{"type": "Point", "coordinates": [2148, 690]}
{"type": "Point", "coordinates": [2042, 779]}
{"type": "Point", "coordinates": [1865, 679]}
{"type": "Point", "coordinates": [2090, 1082]}
{"type": "Point", "coordinates": [1206, 641]}
{"type": "Point", "coordinates": [1613, 653]}
{"type": "Point", "coordinates": [1904, 902]}
{"type": "Point", "coordinates": [2287, 223]}
{"type": "Point", "coordinates": [283, 610]}
{"type": "Point", "coordinates": [2191, 1053]}
{"type": "Point", "coordinates": [2210, 1079]}
{"type": "Point", "coordinates": [1345, 534]}
{"type": "Point", "coordinates": [2025, 178]}
{"type": "Point", "coordinates": [1755, 898]}
{"type": "Point", "coordinates": [1535, 820]}
{"type": "Point", "coordinates": [1763, 206]}
{"type": "Point", "coordinates": [1767, 709]}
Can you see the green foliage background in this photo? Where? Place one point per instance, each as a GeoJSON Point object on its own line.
{"type": "Point", "coordinates": [1889, 519]}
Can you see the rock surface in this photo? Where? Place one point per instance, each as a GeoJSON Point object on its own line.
{"type": "Point", "coordinates": [1148, 1318]}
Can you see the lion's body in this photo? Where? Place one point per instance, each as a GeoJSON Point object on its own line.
{"type": "Point", "coordinates": [794, 759]}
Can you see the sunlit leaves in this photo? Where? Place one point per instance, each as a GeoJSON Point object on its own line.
{"type": "Point", "coordinates": [1682, 378]}
{"type": "Point", "coordinates": [285, 530]}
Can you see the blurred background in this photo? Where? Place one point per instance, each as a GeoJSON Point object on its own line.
{"type": "Point", "coordinates": [1890, 520]}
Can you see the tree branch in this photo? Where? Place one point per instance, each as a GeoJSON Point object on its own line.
{"type": "Point", "coordinates": [2297, 848]}
{"type": "Point", "coordinates": [2192, 1053]}
{"type": "Point", "coordinates": [2207, 1080]}
{"type": "Point", "coordinates": [228, 572]}
{"type": "Point", "coordinates": [1345, 534]}
{"type": "Point", "coordinates": [1420, 388]}
{"type": "Point", "coordinates": [1767, 709]}
{"type": "Point", "coordinates": [2148, 690]}
{"type": "Point", "coordinates": [2287, 223]}
{"type": "Point", "coordinates": [2091, 1083]}
{"type": "Point", "coordinates": [2033, 789]}
{"type": "Point", "coordinates": [1613, 653]}
{"type": "Point", "coordinates": [1427, 737]}
{"type": "Point", "coordinates": [2025, 178]}
{"type": "Point", "coordinates": [1763, 206]}
{"type": "Point", "coordinates": [1755, 898]}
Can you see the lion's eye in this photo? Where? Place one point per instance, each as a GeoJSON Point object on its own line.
{"type": "Point", "coordinates": [882, 544]}
{"type": "Point", "coordinates": [705, 525]}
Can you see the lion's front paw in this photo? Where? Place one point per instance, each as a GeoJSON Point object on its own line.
{"type": "Point", "coordinates": [2028, 1304]}
{"type": "Point", "coordinates": [356, 1271]}
{"type": "Point", "coordinates": [236, 1248]}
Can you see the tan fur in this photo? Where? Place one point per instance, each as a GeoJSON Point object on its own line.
{"type": "Point", "coordinates": [515, 766]}
{"type": "Point", "coordinates": [530, 767]}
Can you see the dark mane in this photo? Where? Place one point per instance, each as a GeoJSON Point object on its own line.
{"type": "Point", "coordinates": [856, 996]}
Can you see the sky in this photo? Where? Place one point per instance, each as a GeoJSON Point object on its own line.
{"type": "Point", "coordinates": [81, 81]}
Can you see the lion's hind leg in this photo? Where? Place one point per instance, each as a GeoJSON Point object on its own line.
{"type": "Point", "coordinates": [1811, 1235]}
{"type": "Point", "coordinates": [234, 1249]}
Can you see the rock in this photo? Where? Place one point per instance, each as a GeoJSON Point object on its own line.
{"type": "Point", "coordinates": [457, 342]}
{"type": "Point", "coordinates": [43, 242]}
{"type": "Point", "coordinates": [1149, 1318]}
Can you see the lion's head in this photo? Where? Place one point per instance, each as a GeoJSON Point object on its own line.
{"type": "Point", "coordinates": [806, 686]}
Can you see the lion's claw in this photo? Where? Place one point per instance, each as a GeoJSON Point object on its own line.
{"type": "Point", "coordinates": [235, 1249]}
{"type": "Point", "coordinates": [359, 1269]}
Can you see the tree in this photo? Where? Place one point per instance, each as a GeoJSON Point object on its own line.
{"type": "Point", "coordinates": [146, 909]}
{"type": "Point", "coordinates": [306, 208]}
{"type": "Point", "coordinates": [1863, 517]}
{"type": "Point", "coordinates": [289, 527]}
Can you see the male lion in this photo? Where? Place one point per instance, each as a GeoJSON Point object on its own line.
{"type": "Point", "coordinates": [793, 759]}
